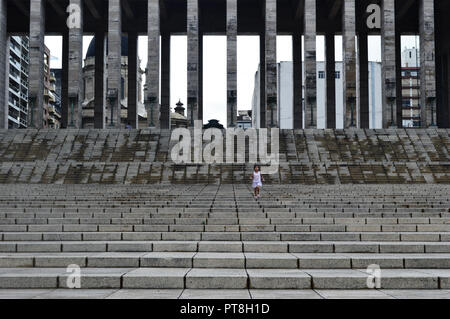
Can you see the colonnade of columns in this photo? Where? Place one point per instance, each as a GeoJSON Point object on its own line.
{"type": "Point", "coordinates": [355, 80]}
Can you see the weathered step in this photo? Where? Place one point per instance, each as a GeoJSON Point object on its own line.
{"type": "Point", "coordinates": [225, 233]}
{"type": "Point", "coordinates": [226, 260]}
{"type": "Point", "coordinates": [117, 245]}
{"type": "Point", "coordinates": [217, 278]}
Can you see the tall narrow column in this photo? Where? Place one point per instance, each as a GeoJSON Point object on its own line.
{"type": "Point", "coordinates": [65, 80]}
{"type": "Point", "coordinates": [114, 63]}
{"type": "Point", "coordinates": [192, 61]}
{"type": "Point", "coordinates": [262, 79]}
{"type": "Point", "coordinates": [427, 63]}
{"type": "Point", "coordinates": [330, 120]}
{"type": "Point", "coordinates": [310, 64]}
{"type": "Point", "coordinates": [132, 116]}
{"type": "Point", "coordinates": [363, 80]}
{"type": "Point", "coordinates": [36, 71]}
{"type": "Point", "coordinates": [76, 70]}
{"type": "Point", "coordinates": [3, 71]}
{"type": "Point", "coordinates": [398, 79]}
{"type": "Point", "coordinates": [165, 81]}
{"type": "Point", "coordinates": [200, 74]}
{"type": "Point", "coordinates": [389, 107]}
{"type": "Point", "coordinates": [152, 103]}
{"type": "Point", "coordinates": [99, 103]}
{"type": "Point", "coordinates": [297, 76]}
{"type": "Point", "coordinates": [446, 88]}
{"type": "Point", "coordinates": [271, 64]}
{"type": "Point", "coordinates": [231, 63]}
{"type": "Point", "coordinates": [349, 67]}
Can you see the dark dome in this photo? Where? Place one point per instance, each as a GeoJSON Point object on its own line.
{"type": "Point", "coordinates": [91, 49]}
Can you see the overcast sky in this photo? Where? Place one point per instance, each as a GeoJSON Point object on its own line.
{"type": "Point", "coordinates": [214, 67]}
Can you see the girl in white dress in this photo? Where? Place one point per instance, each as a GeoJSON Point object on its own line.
{"type": "Point", "coordinates": [257, 181]}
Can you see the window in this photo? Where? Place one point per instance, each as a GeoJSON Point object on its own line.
{"type": "Point", "coordinates": [337, 75]}
{"type": "Point", "coordinates": [321, 75]}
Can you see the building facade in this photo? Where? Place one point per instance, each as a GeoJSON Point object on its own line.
{"type": "Point", "coordinates": [244, 119]}
{"type": "Point", "coordinates": [54, 105]}
{"type": "Point", "coordinates": [56, 77]}
{"type": "Point", "coordinates": [411, 87]}
{"type": "Point", "coordinates": [18, 82]}
{"type": "Point", "coordinates": [159, 19]}
{"type": "Point", "coordinates": [286, 101]}
{"type": "Point", "coordinates": [88, 104]}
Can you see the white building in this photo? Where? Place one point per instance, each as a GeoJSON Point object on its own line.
{"type": "Point", "coordinates": [285, 96]}
{"type": "Point", "coordinates": [410, 58]}
{"type": "Point", "coordinates": [18, 82]}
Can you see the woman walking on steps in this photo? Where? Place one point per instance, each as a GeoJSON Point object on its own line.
{"type": "Point", "coordinates": [257, 181]}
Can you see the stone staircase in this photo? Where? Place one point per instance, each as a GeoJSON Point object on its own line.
{"type": "Point", "coordinates": [218, 236]}
{"type": "Point", "coordinates": [114, 204]}
{"type": "Point", "coordinates": [391, 156]}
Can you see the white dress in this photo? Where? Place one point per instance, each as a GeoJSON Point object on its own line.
{"type": "Point", "coordinates": [256, 180]}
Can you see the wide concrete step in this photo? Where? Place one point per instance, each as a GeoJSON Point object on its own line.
{"type": "Point", "coordinates": [219, 278]}
{"type": "Point", "coordinates": [159, 227]}
{"type": "Point", "coordinates": [118, 245]}
{"type": "Point", "coordinates": [370, 224]}
{"type": "Point", "coordinates": [118, 234]}
{"type": "Point", "coordinates": [226, 260]}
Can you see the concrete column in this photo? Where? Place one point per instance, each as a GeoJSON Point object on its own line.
{"type": "Point", "coordinates": [200, 75]}
{"type": "Point", "coordinates": [75, 83]}
{"type": "Point", "coordinates": [297, 77]}
{"type": "Point", "coordinates": [132, 115]}
{"type": "Point", "coordinates": [349, 63]}
{"type": "Point", "coordinates": [99, 106]}
{"type": "Point", "coordinates": [152, 103]}
{"type": "Point", "coordinates": [231, 63]}
{"type": "Point", "coordinates": [427, 63]}
{"type": "Point", "coordinates": [389, 106]}
{"type": "Point", "coordinates": [310, 64]}
{"type": "Point", "coordinates": [443, 71]}
{"type": "Point", "coordinates": [65, 80]}
{"type": "Point", "coordinates": [445, 119]}
{"type": "Point", "coordinates": [262, 79]}
{"type": "Point", "coordinates": [192, 61]}
{"type": "Point", "coordinates": [36, 71]}
{"type": "Point", "coordinates": [363, 81]}
{"type": "Point", "coordinates": [3, 69]}
{"type": "Point", "coordinates": [271, 64]}
{"type": "Point", "coordinates": [446, 88]}
{"type": "Point", "coordinates": [398, 79]}
{"type": "Point", "coordinates": [330, 105]}
{"type": "Point", "coordinates": [114, 63]}
{"type": "Point", "coordinates": [165, 81]}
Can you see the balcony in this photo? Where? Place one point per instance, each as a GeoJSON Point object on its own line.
{"type": "Point", "coordinates": [15, 49]}
{"type": "Point", "coordinates": [14, 103]}
{"type": "Point", "coordinates": [52, 111]}
{"type": "Point", "coordinates": [14, 90]}
{"type": "Point", "coordinates": [14, 77]}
